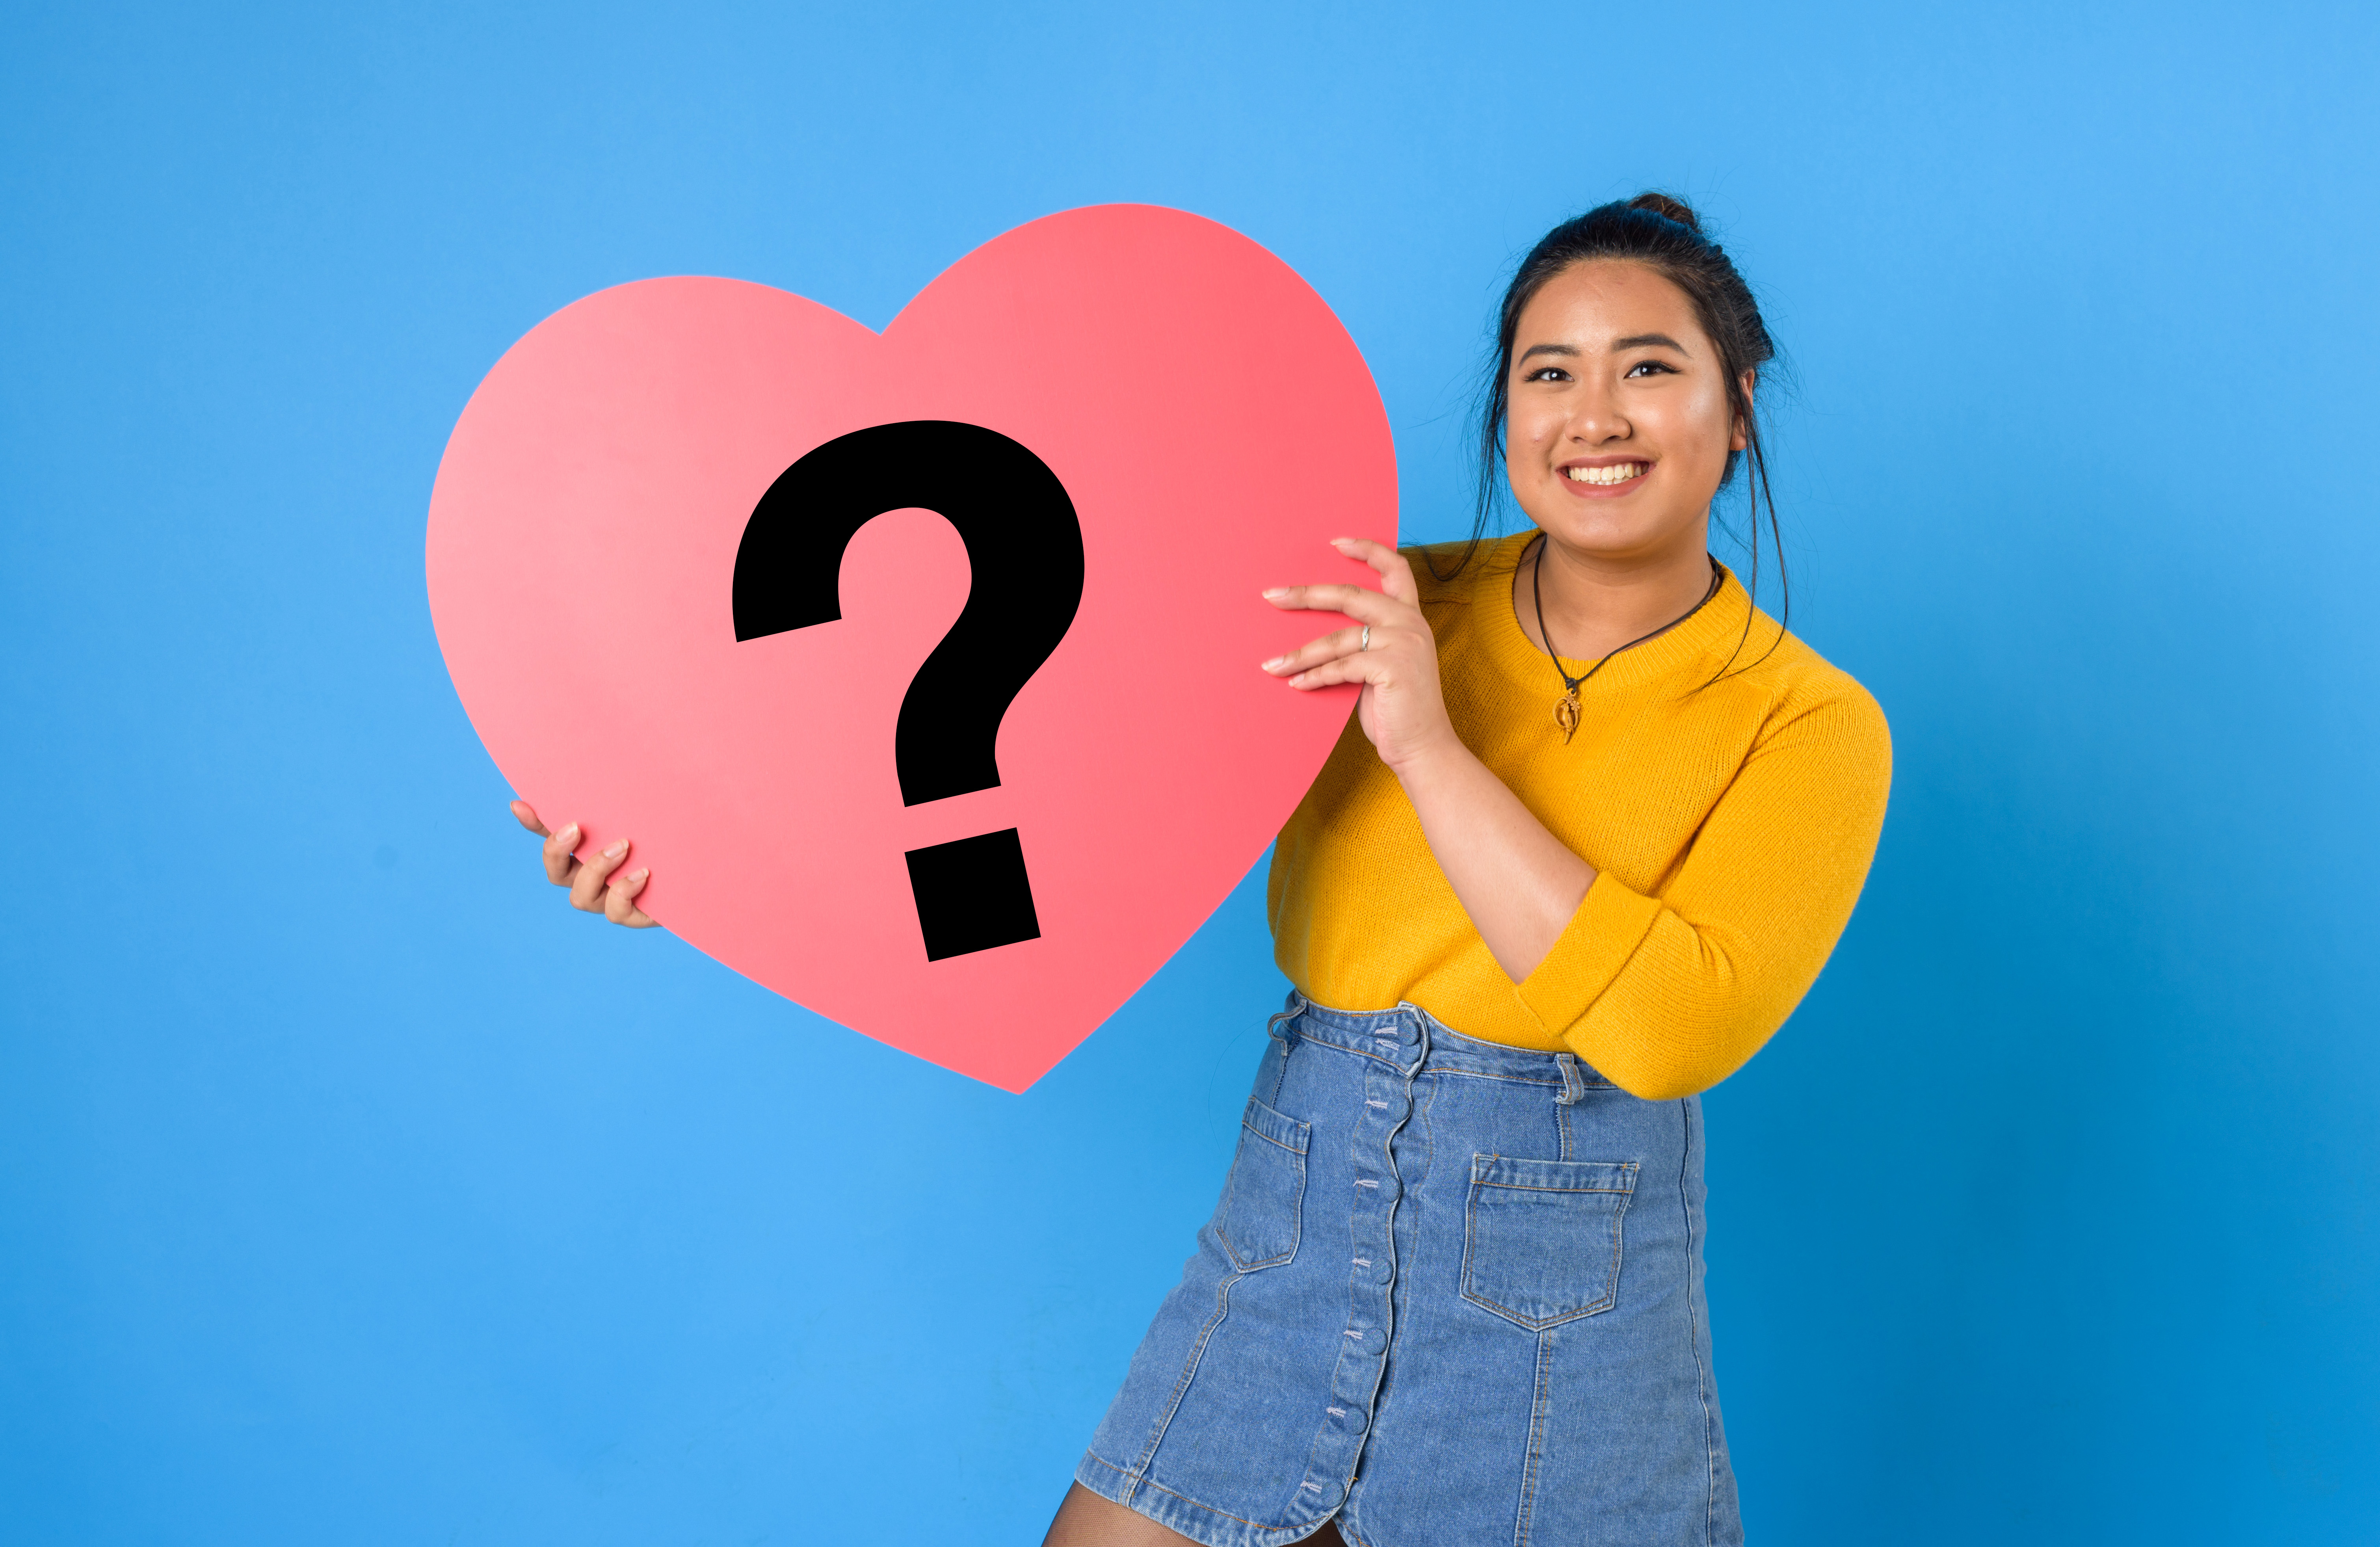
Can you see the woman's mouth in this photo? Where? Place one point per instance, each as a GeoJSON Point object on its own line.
{"type": "Point", "coordinates": [1618, 472]}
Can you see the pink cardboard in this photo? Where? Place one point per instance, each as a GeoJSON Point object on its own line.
{"type": "Point", "coordinates": [1214, 427]}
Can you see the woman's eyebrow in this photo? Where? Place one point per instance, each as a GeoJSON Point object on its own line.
{"type": "Point", "coordinates": [1638, 340]}
{"type": "Point", "coordinates": [1535, 349]}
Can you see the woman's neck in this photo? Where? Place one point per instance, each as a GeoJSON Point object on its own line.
{"type": "Point", "coordinates": [1593, 606]}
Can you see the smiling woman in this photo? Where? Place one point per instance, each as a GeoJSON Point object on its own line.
{"type": "Point", "coordinates": [1540, 898]}
{"type": "Point", "coordinates": [1677, 285]}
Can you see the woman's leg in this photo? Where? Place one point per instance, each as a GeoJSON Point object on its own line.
{"type": "Point", "coordinates": [1086, 1520]}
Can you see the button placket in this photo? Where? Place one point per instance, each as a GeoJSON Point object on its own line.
{"type": "Point", "coordinates": [1398, 1053]}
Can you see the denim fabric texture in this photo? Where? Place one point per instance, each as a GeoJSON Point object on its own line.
{"type": "Point", "coordinates": [1453, 1296]}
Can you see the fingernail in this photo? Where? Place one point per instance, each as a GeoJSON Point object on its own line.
{"type": "Point", "coordinates": [567, 836]}
{"type": "Point", "coordinates": [619, 846]}
{"type": "Point", "coordinates": [1275, 594]}
{"type": "Point", "coordinates": [1275, 662]}
{"type": "Point", "coordinates": [639, 878]}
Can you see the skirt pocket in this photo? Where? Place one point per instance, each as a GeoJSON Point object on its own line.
{"type": "Point", "coordinates": [1541, 1240]}
{"type": "Point", "coordinates": [1267, 1187]}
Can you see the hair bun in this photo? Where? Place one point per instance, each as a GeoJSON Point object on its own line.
{"type": "Point", "coordinates": [1672, 209]}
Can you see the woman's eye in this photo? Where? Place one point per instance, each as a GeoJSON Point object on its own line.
{"type": "Point", "coordinates": [1648, 367]}
{"type": "Point", "coordinates": [1547, 374]}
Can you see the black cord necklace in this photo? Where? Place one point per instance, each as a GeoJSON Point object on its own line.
{"type": "Point", "coordinates": [1566, 708]}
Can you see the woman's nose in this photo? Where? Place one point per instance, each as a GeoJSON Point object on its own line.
{"type": "Point", "coordinates": [1596, 416]}
{"type": "Point", "coordinates": [1594, 427]}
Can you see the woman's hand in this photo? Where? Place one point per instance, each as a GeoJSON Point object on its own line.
{"type": "Point", "coordinates": [593, 888]}
{"type": "Point", "coordinates": [1516, 880]}
{"type": "Point", "coordinates": [1402, 710]}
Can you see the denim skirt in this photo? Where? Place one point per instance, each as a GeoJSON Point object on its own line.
{"type": "Point", "coordinates": [1453, 1296]}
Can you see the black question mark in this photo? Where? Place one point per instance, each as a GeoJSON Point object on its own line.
{"type": "Point", "coordinates": [1025, 547]}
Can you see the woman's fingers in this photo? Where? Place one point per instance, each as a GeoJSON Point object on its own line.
{"type": "Point", "coordinates": [561, 865]}
{"type": "Point", "coordinates": [620, 900]}
{"type": "Point", "coordinates": [1391, 652]}
{"type": "Point", "coordinates": [1396, 571]}
{"type": "Point", "coordinates": [1360, 602]}
{"type": "Point", "coordinates": [592, 888]}
{"type": "Point", "coordinates": [1398, 602]}
{"type": "Point", "coordinates": [1373, 670]}
{"type": "Point", "coordinates": [1385, 620]}
{"type": "Point", "coordinates": [1330, 646]}
{"type": "Point", "coordinates": [587, 886]}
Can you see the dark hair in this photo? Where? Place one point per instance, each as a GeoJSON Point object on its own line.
{"type": "Point", "coordinates": [1663, 234]}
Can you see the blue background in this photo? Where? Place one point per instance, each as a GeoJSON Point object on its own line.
{"type": "Point", "coordinates": [354, 1189]}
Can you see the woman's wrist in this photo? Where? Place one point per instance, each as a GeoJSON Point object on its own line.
{"type": "Point", "coordinates": [1434, 763]}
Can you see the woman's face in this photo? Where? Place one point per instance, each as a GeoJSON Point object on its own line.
{"type": "Point", "coordinates": [1618, 428]}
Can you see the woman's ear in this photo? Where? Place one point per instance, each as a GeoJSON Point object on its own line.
{"type": "Point", "coordinates": [1740, 436]}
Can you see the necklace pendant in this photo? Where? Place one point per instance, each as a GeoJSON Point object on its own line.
{"type": "Point", "coordinates": [1566, 716]}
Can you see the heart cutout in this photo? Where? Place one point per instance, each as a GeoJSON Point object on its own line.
{"type": "Point", "coordinates": [1212, 426]}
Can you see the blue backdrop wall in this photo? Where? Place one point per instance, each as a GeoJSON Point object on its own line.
{"type": "Point", "coordinates": [353, 1190]}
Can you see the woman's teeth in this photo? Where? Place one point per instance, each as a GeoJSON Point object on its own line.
{"type": "Point", "coordinates": [1620, 474]}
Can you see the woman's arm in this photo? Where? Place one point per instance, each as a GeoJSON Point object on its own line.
{"type": "Point", "coordinates": [1668, 995]}
{"type": "Point", "coordinates": [1519, 884]}
{"type": "Point", "coordinates": [1665, 995]}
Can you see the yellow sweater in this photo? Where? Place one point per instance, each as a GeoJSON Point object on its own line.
{"type": "Point", "coordinates": [1730, 830]}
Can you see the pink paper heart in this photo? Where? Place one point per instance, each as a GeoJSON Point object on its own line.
{"type": "Point", "coordinates": [1213, 427]}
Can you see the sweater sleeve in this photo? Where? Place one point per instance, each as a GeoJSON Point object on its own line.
{"type": "Point", "coordinates": [1668, 995]}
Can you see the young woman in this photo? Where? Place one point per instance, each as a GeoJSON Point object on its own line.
{"type": "Point", "coordinates": [1594, 828]}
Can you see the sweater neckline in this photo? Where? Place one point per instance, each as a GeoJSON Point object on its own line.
{"type": "Point", "coordinates": [1718, 624]}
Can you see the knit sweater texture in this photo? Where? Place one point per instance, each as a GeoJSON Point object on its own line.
{"type": "Point", "coordinates": [1731, 824]}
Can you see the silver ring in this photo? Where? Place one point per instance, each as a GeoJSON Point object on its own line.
{"type": "Point", "coordinates": [1366, 642]}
